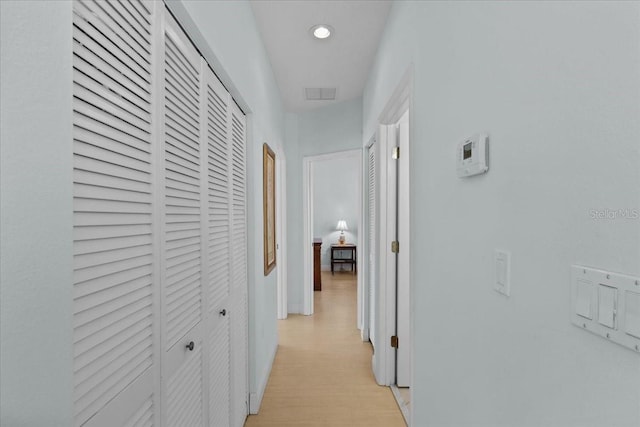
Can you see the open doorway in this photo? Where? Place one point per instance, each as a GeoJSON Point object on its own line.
{"type": "Point", "coordinates": [332, 194]}
{"type": "Point", "coordinates": [391, 321]}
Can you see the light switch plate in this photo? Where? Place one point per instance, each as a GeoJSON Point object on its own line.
{"type": "Point", "coordinates": [503, 272]}
{"type": "Point", "coordinates": [606, 304]}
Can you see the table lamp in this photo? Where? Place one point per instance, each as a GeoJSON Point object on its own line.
{"type": "Point", "coordinates": [342, 225]}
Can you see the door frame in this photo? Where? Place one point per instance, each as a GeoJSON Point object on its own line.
{"type": "Point", "coordinates": [281, 234]}
{"type": "Point", "coordinates": [384, 358]}
{"type": "Point", "coordinates": [307, 215]}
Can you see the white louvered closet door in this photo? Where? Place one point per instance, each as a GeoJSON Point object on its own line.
{"type": "Point", "coordinates": [182, 299]}
{"type": "Point", "coordinates": [238, 290]}
{"type": "Point", "coordinates": [216, 139]}
{"type": "Point", "coordinates": [371, 261]}
{"type": "Point", "coordinates": [113, 199]}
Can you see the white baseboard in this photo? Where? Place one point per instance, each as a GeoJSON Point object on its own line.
{"type": "Point", "coordinates": [325, 267]}
{"type": "Point", "coordinates": [294, 308]}
{"type": "Point", "coordinates": [404, 406]}
{"type": "Point", "coordinates": [255, 399]}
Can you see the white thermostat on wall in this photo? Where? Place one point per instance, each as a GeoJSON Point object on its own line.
{"type": "Point", "coordinates": [473, 155]}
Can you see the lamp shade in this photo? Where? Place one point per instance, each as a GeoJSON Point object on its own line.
{"type": "Point", "coordinates": [342, 225]}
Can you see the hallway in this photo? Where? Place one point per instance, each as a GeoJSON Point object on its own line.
{"type": "Point", "coordinates": [322, 372]}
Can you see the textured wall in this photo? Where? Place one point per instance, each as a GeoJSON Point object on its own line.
{"type": "Point", "coordinates": [557, 87]}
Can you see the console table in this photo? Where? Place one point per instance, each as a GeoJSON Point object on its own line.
{"type": "Point", "coordinates": [317, 277]}
{"type": "Point", "coordinates": [344, 254]}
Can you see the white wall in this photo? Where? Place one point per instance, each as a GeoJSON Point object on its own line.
{"type": "Point", "coordinates": [320, 131]}
{"type": "Point", "coordinates": [557, 86]}
{"type": "Point", "coordinates": [228, 37]}
{"type": "Point", "coordinates": [335, 197]}
{"type": "Point", "coordinates": [36, 215]}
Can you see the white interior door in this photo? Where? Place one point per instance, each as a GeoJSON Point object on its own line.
{"type": "Point", "coordinates": [183, 258]}
{"type": "Point", "coordinates": [114, 344]}
{"type": "Point", "coordinates": [371, 246]}
{"type": "Point", "coordinates": [239, 288]}
{"type": "Point", "coordinates": [216, 135]}
{"type": "Point", "coordinates": [160, 237]}
{"type": "Point", "coordinates": [403, 357]}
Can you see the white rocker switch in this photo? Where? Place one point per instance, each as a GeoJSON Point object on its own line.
{"type": "Point", "coordinates": [607, 306]}
{"type": "Point", "coordinates": [632, 314]}
{"type": "Point", "coordinates": [584, 290]}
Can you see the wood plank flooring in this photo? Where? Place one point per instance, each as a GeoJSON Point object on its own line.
{"type": "Point", "coordinates": [322, 371]}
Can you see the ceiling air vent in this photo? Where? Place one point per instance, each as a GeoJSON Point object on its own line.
{"type": "Point", "coordinates": [320, 93]}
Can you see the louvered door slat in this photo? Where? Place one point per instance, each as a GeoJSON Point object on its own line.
{"type": "Point", "coordinates": [181, 107]}
{"type": "Point", "coordinates": [112, 110]}
{"type": "Point", "coordinates": [89, 247]}
{"type": "Point", "coordinates": [113, 324]}
{"type": "Point", "coordinates": [118, 31]}
{"type": "Point", "coordinates": [107, 135]}
{"type": "Point", "coordinates": [143, 7]}
{"type": "Point", "coordinates": [113, 256]}
{"type": "Point", "coordinates": [99, 45]}
{"type": "Point", "coordinates": [184, 269]}
{"type": "Point", "coordinates": [108, 295]}
{"type": "Point", "coordinates": [140, 19]}
{"type": "Point", "coordinates": [85, 59]}
{"type": "Point", "coordinates": [137, 341]}
{"type": "Point", "coordinates": [102, 117]}
{"type": "Point", "coordinates": [131, 151]}
{"type": "Point", "coordinates": [113, 250]}
{"type": "Point", "coordinates": [130, 110]}
{"type": "Point", "coordinates": [96, 233]}
{"type": "Point", "coordinates": [125, 31]}
{"type": "Point", "coordinates": [84, 63]}
{"type": "Point", "coordinates": [139, 25]}
{"type": "Point", "coordinates": [181, 70]}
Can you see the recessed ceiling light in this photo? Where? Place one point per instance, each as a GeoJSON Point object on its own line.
{"type": "Point", "coordinates": [321, 31]}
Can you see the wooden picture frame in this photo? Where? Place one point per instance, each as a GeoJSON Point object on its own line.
{"type": "Point", "coordinates": [269, 205]}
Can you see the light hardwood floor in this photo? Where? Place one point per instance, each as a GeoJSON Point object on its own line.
{"type": "Point", "coordinates": [322, 372]}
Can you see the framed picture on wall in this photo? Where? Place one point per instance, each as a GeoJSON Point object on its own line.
{"type": "Point", "coordinates": [269, 202]}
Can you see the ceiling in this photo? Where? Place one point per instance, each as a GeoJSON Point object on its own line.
{"type": "Point", "coordinates": [300, 61]}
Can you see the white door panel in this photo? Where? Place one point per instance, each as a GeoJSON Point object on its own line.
{"type": "Point", "coordinates": [217, 228]}
{"type": "Point", "coordinates": [239, 291]}
{"type": "Point", "coordinates": [113, 195]}
{"type": "Point", "coordinates": [160, 226]}
{"type": "Point", "coordinates": [371, 259]}
{"type": "Point", "coordinates": [182, 311]}
{"type": "Point", "coordinates": [403, 361]}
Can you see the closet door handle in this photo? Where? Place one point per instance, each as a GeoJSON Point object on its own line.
{"type": "Point", "coordinates": [223, 312]}
{"type": "Point", "coordinates": [190, 346]}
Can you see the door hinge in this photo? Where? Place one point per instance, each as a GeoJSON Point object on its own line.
{"type": "Point", "coordinates": [394, 341]}
{"type": "Point", "coordinates": [396, 153]}
{"type": "Point", "coordinates": [395, 247]}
